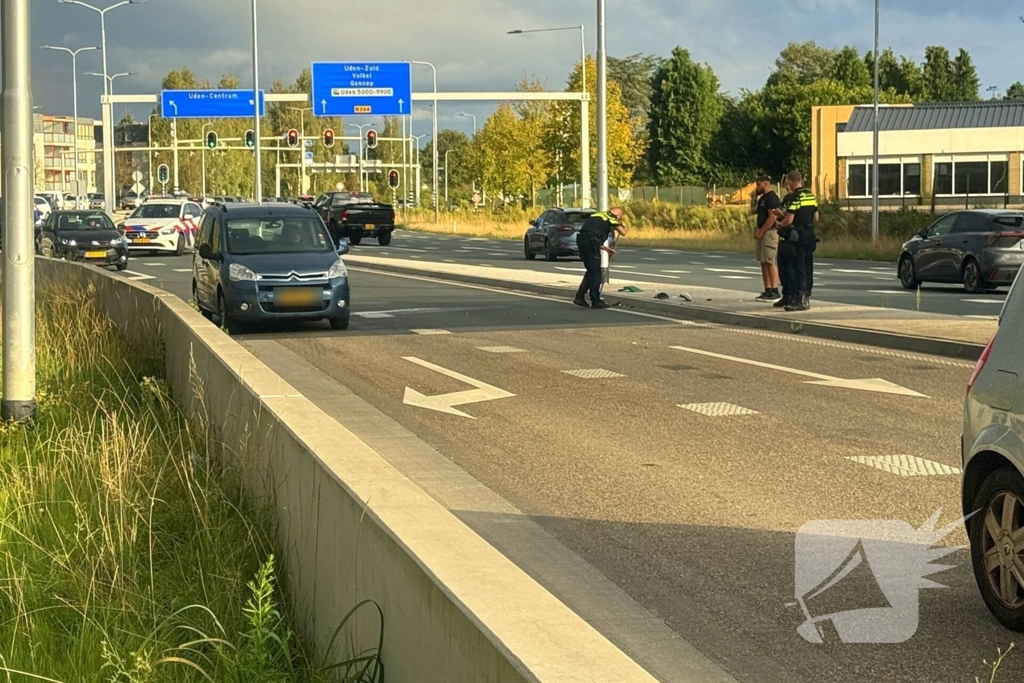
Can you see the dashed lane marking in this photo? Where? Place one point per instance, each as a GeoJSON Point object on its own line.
{"type": "Point", "coordinates": [906, 465]}
{"type": "Point", "coordinates": [373, 315]}
{"type": "Point", "coordinates": [725, 270]}
{"type": "Point", "coordinates": [154, 263]}
{"type": "Point", "coordinates": [735, 277]}
{"type": "Point", "coordinates": [852, 272]}
{"type": "Point", "coordinates": [889, 291]}
{"type": "Point", "coordinates": [718, 409]}
{"type": "Point", "coordinates": [501, 349]}
{"type": "Point", "coordinates": [182, 270]}
{"type": "Point", "coordinates": [593, 373]}
{"type": "Point", "coordinates": [998, 302]}
{"type": "Point", "coordinates": [677, 272]}
{"type": "Point", "coordinates": [430, 333]}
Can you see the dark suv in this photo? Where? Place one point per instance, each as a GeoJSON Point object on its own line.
{"type": "Point", "coordinates": [264, 262]}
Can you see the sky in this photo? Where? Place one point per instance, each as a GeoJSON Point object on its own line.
{"type": "Point", "coordinates": [466, 40]}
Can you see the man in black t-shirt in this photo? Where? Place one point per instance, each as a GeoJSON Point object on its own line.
{"type": "Point", "coordinates": [591, 239]}
{"type": "Point", "coordinates": [796, 221]}
{"type": "Point", "coordinates": [765, 204]}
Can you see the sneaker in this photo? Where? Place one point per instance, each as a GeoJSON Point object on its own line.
{"type": "Point", "coordinates": [781, 303]}
{"type": "Point", "coordinates": [774, 295]}
{"type": "Point", "coordinates": [600, 304]}
{"type": "Point", "coordinates": [797, 306]}
{"type": "Point", "coordinates": [765, 296]}
{"type": "Point", "coordinates": [580, 301]}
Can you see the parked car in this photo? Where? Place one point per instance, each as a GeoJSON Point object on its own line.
{"type": "Point", "coordinates": [43, 205]}
{"type": "Point", "coordinates": [97, 202]}
{"type": "Point", "coordinates": [981, 249]}
{"type": "Point", "coordinates": [130, 200]}
{"type": "Point", "coordinates": [993, 466]}
{"type": "Point", "coordinates": [88, 236]}
{"type": "Point", "coordinates": [167, 225]}
{"type": "Point", "coordinates": [352, 216]}
{"type": "Point", "coordinates": [554, 233]}
{"type": "Point", "coordinates": [259, 263]}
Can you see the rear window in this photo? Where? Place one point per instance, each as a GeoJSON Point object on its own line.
{"type": "Point", "coordinates": [1008, 221]}
{"type": "Point", "coordinates": [576, 217]}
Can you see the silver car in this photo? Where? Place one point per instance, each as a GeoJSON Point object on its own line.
{"type": "Point", "coordinates": [993, 458]}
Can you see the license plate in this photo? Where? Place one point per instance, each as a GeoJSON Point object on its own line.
{"type": "Point", "coordinates": [141, 240]}
{"type": "Point", "coordinates": [297, 296]}
{"type": "Point", "coordinates": [95, 254]}
{"type": "Point", "coordinates": [369, 226]}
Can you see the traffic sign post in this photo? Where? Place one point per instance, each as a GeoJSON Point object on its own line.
{"type": "Point", "coordinates": [361, 88]}
{"type": "Point", "coordinates": [209, 104]}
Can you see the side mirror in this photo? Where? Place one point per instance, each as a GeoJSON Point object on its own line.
{"type": "Point", "coordinates": [533, 222]}
{"type": "Point", "coordinates": [923, 234]}
{"type": "Point", "coordinates": [343, 247]}
{"type": "Point", "coordinates": [206, 253]}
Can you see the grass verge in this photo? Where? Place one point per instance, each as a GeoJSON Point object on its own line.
{"type": "Point", "coordinates": [124, 556]}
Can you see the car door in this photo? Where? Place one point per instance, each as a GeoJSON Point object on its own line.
{"type": "Point", "coordinates": [539, 231]}
{"type": "Point", "coordinates": [48, 237]}
{"type": "Point", "coordinates": [190, 219]}
{"type": "Point", "coordinates": [929, 258]}
{"type": "Point", "coordinates": [966, 238]}
{"type": "Point", "coordinates": [206, 272]}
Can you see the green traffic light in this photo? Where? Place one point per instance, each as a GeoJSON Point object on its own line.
{"type": "Point", "coordinates": [250, 138]}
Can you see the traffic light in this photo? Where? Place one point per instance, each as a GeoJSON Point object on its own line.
{"type": "Point", "coordinates": [371, 139]}
{"type": "Point", "coordinates": [250, 138]}
{"type": "Point", "coordinates": [393, 179]}
{"type": "Point", "coordinates": [328, 138]}
{"type": "Point", "coordinates": [211, 140]}
{"type": "Point", "coordinates": [163, 174]}
{"type": "Point", "coordinates": [293, 138]}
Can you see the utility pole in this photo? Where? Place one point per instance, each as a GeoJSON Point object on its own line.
{"type": "Point", "coordinates": [256, 114]}
{"type": "Point", "coordinates": [874, 146]}
{"type": "Point", "coordinates": [602, 113]}
{"type": "Point", "coordinates": [19, 295]}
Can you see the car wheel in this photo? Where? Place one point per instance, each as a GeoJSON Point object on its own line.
{"type": "Point", "coordinates": [384, 239]}
{"type": "Point", "coordinates": [223, 319]}
{"type": "Point", "coordinates": [340, 323]}
{"type": "Point", "coordinates": [122, 266]}
{"type": "Point", "coordinates": [527, 253]}
{"type": "Point", "coordinates": [46, 249]}
{"type": "Point", "coordinates": [549, 251]}
{"type": "Point", "coordinates": [997, 546]}
{"type": "Point", "coordinates": [974, 282]}
{"type": "Point", "coordinates": [907, 273]}
{"type": "Point", "coordinates": [355, 238]}
{"type": "Point", "coordinates": [180, 248]}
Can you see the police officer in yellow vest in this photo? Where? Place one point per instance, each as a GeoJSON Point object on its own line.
{"type": "Point", "coordinates": [796, 221]}
{"type": "Point", "coordinates": [591, 240]}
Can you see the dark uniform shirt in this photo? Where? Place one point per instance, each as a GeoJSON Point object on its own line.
{"type": "Point", "coordinates": [766, 203]}
{"type": "Point", "coordinates": [803, 205]}
{"type": "Point", "coordinates": [599, 226]}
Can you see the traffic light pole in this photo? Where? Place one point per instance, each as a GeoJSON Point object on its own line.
{"type": "Point", "coordinates": [256, 114]}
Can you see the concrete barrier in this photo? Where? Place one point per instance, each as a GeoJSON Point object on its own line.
{"type": "Point", "coordinates": [351, 527]}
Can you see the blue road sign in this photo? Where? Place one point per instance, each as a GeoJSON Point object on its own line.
{"type": "Point", "coordinates": [209, 104]}
{"type": "Point", "coordinates": [362, 88]}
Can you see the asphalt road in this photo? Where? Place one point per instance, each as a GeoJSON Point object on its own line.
{"type": "Point", "coordinates": [605, 430]}
{"type": "Point", "coordinates": [865, 283]}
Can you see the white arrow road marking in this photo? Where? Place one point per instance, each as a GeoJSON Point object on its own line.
{"type": "Point", "coordinates": [138, 276]}
{"type": "Point", "coordinates": [445, 403]}
{"type": "Point", "coordinates": [878, 385]}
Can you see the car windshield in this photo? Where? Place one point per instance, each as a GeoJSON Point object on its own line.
{"type": "Point", "coordinates": [277, 236]}
{"type": "Point", "coordinates": [157, 211]}
{"type": "Point", "coordinates": [95, 196]}
{"type": "Point", "coordinates": [84, 220]}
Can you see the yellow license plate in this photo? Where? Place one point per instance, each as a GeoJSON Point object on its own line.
{"type": "Point", "coordinates": [95, 254]}
{"type": "Point", "coordinates": [298, 296]}
{"type": "Point", "coordinates": [141, 240]}
{"type": "Point", "coordinates": [370, 226]}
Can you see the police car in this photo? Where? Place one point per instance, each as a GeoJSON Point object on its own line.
{"type": "Point", "coordinates": [163, 225]}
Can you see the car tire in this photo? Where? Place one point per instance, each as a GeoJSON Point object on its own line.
{"type": "Point", "coordinates": [223, 319]}
{"type": "Point", "coordinates": [384, 238]}
{"type": "Point", "coordinates": [1006, 602]}
{"type": "Point", "coordinates": [549, 252]}
{"type": "Point", "coordinates": [974, 281]}
{"type": "Point", "coordinates": [122, 266]}
{"type": "Point", "coordinates": [46, 249]}
{"type": "Point", "coordinates": [527, 253]}
{"type": "Point", "coordinates": [908, 273]}
{"type": "Point", "coordinates": [355, 238]}
{"type": "Point", "coordinates": [179, 250]}
{"type": "Point", "coordinates": [339, 323]}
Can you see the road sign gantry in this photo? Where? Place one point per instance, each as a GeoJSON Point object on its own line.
{"type": "Point", "coordinates": [209, 104]}
{"type": "Point", "coordinates": [361, 88]}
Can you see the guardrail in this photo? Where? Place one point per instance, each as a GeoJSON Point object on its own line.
{"type": "Point", "coordinates": [352, 527]}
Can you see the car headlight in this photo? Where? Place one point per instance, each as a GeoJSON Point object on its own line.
{"type": "Point", "coordinates": [70, 243]}
{"type": "Point", "coordinates": [337, 270]}
{"type": "Point", "coordinates": [239, 273]}
{"type": "Point", "coordinates": [167, 231]}
{"type": "Point", "coordinates": [117, 241]}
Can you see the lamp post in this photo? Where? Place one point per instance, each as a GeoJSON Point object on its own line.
{"type": "Point", "coordinates": [416, 161]}
{"type": "Point", "coordinates": [360, 127]}
{"type": "Point", "coordinates": [302, 146]}
{"type": "Point", "coordinates": [602, 112]}
{"type": "Point", "coordinates": [471, 116]}
{"type": "Point", "coordinates": [446, 153]}
{"type": "Point", "coordinates": [258, 165]}
{"type": "Point", "coordinates": [74, 89]}
{"type": "Point", "coordinates": [874, 146]}
{"type": "Point", "coordinates": [585, 133]}
{"type": "Point", "coordinates": [437, 209]}
{"type": "Point", "coordinates": [110, 79]}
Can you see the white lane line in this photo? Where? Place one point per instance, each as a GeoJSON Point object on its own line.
{"type": "Point", "coordinates": [422, 251]}
{"type": "Point", "coordinates": [617, 267]}
{"type": "Point", "coordinates": [885, 269]}
{"type": "Point", "coordinates": [138, 276]}
{"type": "Point", "coordinates": [725, 270]}
{"type": "Point", "coordinates": [735, 277]}
{"type": "Point", "coordinates": [571, 270]}
{"type": "Point", "coordinates": [884, 279]}
{"type": "Point", "coordinates": [501, 349]}
{"type": "Point", "coordinates": [182, 270]}
{"type": "Point", "coordinates": [373, 315]}
{"type": "Point", "coordinates": [984, 317]}
{"type": "Point", "coordinates": [997, 302]}
{"type": "Point", "coordinates": [154, 263]}
{"type": "Point", "coordinates": [853, 272]}
{"type": "Point", "coordinates": [677, 272]}
{"type": "Point", "coordinates": [594, 373]}
{"type": "Point", "coordinates": [448, 260]}
{"type": "Point", "coordinates": [717, 409]}
{"type": "Point", "coordinates": [501, 253]}
{"type": "Point", "coordinates": [429, 333]}
{"type": "Point", "coordinates": [648, 258]}
{"type": "Point", "coordinates": [666, 277]}
{"type": "Point", "coordinates": [696, 263]}
{"type": "Point", "coordinates": [822, 263]}
{"type": "Point", "coordinates": [712, 256]}
{"type": "Point", "coordinates": [414, 256]}
{"type": "Point", "coordinates": [889, 291]}
{"type": "Point", "coordinates": [485, 265]}
{"type": "Point", "coordinates": [906, 465]}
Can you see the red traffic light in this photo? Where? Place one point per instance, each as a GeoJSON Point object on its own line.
{"type": "Point", "coordinates": [293, 138]}
{"type": "Point", "coordinates": [371, 138]}
{"type": "Point", "coordinates": [393, 179]}
{"type": "Point", "coordinates": [328, 138]}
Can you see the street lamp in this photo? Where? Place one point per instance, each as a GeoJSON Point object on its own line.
{"type": "Point", "coordinates": [584, 135]}
{"type": "Point", "coordinates": [446, 153]}
{"type": "Point", "coordinates": [111, 79]}
{"type": "Point", "coordinates": [437, 209]}
{"type": "Point", "coordinates": [103, 29]}
{"type": "Point", "coordinates": [360, 127]}
{"type": "Point", "coordinates": [74, 88]}
{"type": "Point", "coordinates": [471, 116]}
{"type": "Point", "coordinates": [302, 135]}
{"type": "Point", "coordinates": [602, 112]}
{"type": "Point", "coordinates": [874, 153]}
{"type": "Point", "coordinates": [258, 161]}
{"type": "Point", "coordinates": [416, 161]}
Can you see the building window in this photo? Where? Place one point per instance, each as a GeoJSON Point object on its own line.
{"type": "Point", "coordinates": [895, 178]}
{"type": "Point", "coordinates": [970, 177]}
{"type": "Point", "coordinates": [944, 178]}
{"type": "Point", "coordinates": [889, 180]}
{"type": "Point", "coordinates": [912, 179]}
{"type": "Point", "coordinates": [857, 181]}
{"type": "Point", "coordinates": [1000, 177]}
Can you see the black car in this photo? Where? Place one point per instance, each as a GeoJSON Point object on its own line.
{"type": "Point", "coordinates": [88, 236]}
{"type": "Point", "coordinates": [554, 233]}
{"type": "Point", "coordinates": [981, 249]}
{"type": "Point", "coordinates": [266, 262]}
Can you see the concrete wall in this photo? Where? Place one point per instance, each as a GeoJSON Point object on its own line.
{"type": "Point", "coordinates": [825, 173]}
{"type": "Point", "coordinates": [351, 527]}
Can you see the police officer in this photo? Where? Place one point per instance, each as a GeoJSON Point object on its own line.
{"type": "Point", "coordinates": [591, 240]}
{"type": "Point", "coordinates": [797, 217]}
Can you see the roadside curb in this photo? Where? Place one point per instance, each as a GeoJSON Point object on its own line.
{"type": "Point", "coordinates": [890, 340]}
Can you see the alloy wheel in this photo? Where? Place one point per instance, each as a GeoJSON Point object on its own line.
{"type": "Point", "coordinates": [1003, 548]}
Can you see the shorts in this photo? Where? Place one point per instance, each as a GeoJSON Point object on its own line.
{"type": "Point", "coordinates": [768, 247]}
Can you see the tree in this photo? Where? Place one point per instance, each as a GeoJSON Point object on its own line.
{"type": "Point", "coordinates": [939, 85]}
{"type": "Point", "coordinates": [803, 63]}
{"type": "Point", "coordinates": [634, 74]}
{"type": "Point", "coordinates": [501, 156]}
{"type": "Point", "coordinates": [460, 174]}
{"type": "Point", "coordinates": [849, 69]}
{"type": "Point", "coordinates": [965, 78]}
{"type": "Point", "coordinates": [686, 110]}
{"type": "Point", "coordinates": [1015, 92]}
